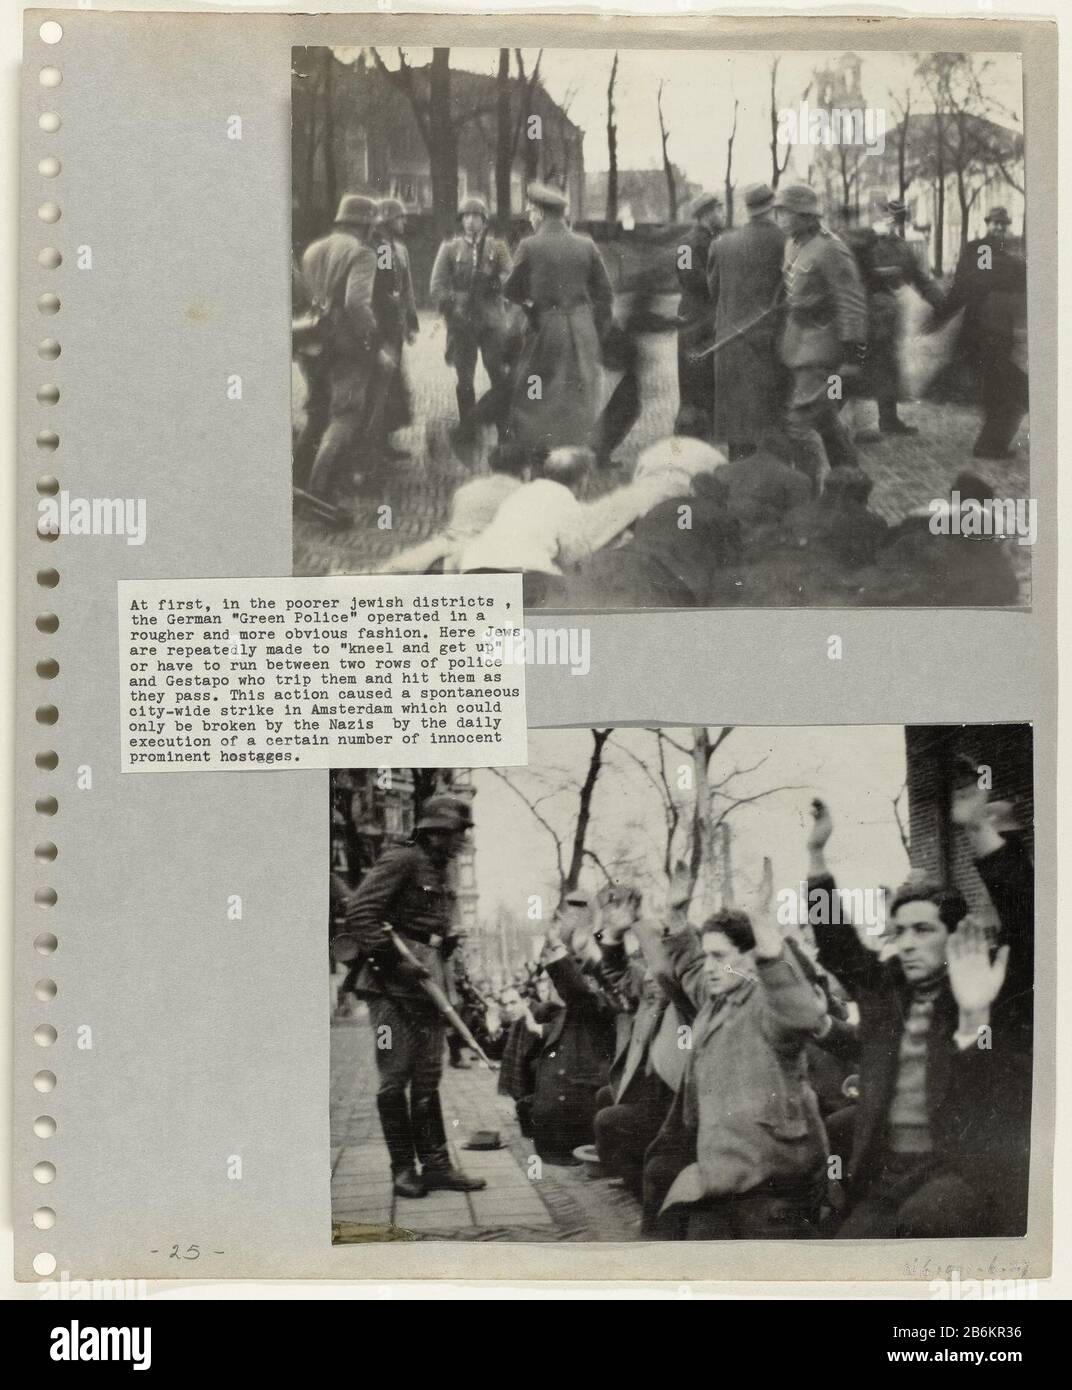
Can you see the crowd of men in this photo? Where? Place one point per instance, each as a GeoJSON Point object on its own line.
{"type": "Point", "coordinates": [743, 1077]}
{"type": "Point", "coordinates": [780, 321]}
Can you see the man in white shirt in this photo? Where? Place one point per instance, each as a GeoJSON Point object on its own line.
{"type": "Point", "coordinates": [540, 529]}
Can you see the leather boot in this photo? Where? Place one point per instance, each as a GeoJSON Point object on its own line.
{"type": "Point", "coordinates": [397, 1131]}
{"type": "Point", "coordinates": [437, 1171]}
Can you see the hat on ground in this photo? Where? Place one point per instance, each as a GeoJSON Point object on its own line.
{"type": "Point", "coordinates": [576, 899]}
{"type": "Point", "coordinates": [702, 202]}
{"type": "Point", "coordinates": [999, 214]}
{"type": "Point", "coordinates": [445, 813]}
{"type": "Point", "coordinates": [474, 204]}
{"type": "Point", "coordinates": [798, 197]}
{"type": "Point", "coordinates": [355, 209]}
{"type": "Point", "coordinates": [758, 197]}
{"type": "Point", "coordinates": [551, 199]}
{"type": "Point", "coordinates": [390, 208]}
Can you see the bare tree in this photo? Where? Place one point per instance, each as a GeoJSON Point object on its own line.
{"type": "Point", "coordinates": [509, 125]}
{"type": "Point", "coordinates": [668, 168]}
{"type": "Point", "coordinates": [437, 123]}
{"type": "Point", "coordinates": [728, 183]}
{"type": "Point", "coordinates": [612, 147]}
{"type": "Point", "coordinates": [529, 83]}
{"type": "Point", "coordinates": [568, 869]}
{"type": "Point", "coordinates": [777, 165]}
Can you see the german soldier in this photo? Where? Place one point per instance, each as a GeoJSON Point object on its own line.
{"type": "Point", "coordinates": [695, 313]}
{"type": "Point", "coordinates": [990, 285]}
{"type": "Point", "coordinates": [467, 281]}
{"type": "Point", "coordinates": [396, 315]}
{"type": "Point", "coordinates": [886, 262]}
{"type": "Point", "coordinates": [408, 890]}
{"type": "Point", "coordinates": [339, 272]}
{"type": "Point", "coordinates": [825, 331]}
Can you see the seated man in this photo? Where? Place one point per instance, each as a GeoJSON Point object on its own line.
{"type": "Point", "coordinates": [745, 1122]}
{"type": "Point", "coordinates": [940, 1140]}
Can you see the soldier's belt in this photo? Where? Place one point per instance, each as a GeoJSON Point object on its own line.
{"type": "Point", "coordinates": [426, 938]}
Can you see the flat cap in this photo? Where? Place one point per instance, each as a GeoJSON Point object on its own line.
{"type": "Point", "coordinates": [999, 214]}
{"type": "Point", "coordinates": [702, 202]}
{"type": "Point", "coordinates": [758, 196]}
{"type": "Point", "coordinates": [546, 197]}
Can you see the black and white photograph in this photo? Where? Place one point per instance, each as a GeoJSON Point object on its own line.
{"type": "Point", "coordinates": [664, 328]}
{"type": "Point", "coordinates": [709, 983]}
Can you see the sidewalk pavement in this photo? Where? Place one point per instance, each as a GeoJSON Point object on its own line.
{"type": "Point", "coordinates": [524, 1200]}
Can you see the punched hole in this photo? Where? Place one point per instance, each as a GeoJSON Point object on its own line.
{"type": "Point", "coordinates": [51, 31]}
{"type": "Point", "coordinates": [49, 122]}
{"type": "Point", "coordinates": [48, 579]}
{"type": "Point", "coordinates": [50, 77]}
{"type": "Point", "coordinates": [46, 805]}
{"type": "Point", "coordinates": [48, 485]}
{"type": "Point", "coordinates": [47, 714]}
{"type": "Point", "coordinates": [49, 212]}
{"type": "Point", "coordinates": [45, 1081]}
{"type": "Point", "coordinates": [48, 304]}
{"type": "Point", "coordinates": [46, 897]}
{"type": "Point", "coordinates": [48, 440]}
{"type": "Point", "coordinates": [45, 1035]}
{"type": "Point", "coordinates": [46, 853]}
{"type": "Point", "coordinates": [44, 1172]}
{"type": "Point", "coordinates": [44, 1218]}
{"type": "Point", "coordinates": [45, 990]}
{"type": "Point", "coordinates": [48, 349]}
{"type": "Point", "coordinates": [48, 395]}
{"type": "Point", "coordinates": [44, 1263]}
{"type": "Point", "coordinates": [47, 622]}
{"type": "Point", "coordinates": [48, 669]}
{"type": "Point", "coordinates": [45, 944]}
{"type": "Point", "coordinates": [48, 762]}
{"type": "Point", "coordinates": [49, 167]}
{"type": "Point", "coordinates": [49, 257]}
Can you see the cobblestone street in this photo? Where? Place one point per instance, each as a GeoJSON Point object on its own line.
{"type": "Point", "coordinates": [554, 1204]}
{"type": "Point", "coordinates": [908, 472]}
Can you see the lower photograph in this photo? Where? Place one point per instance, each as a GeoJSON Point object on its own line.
{"type": "Point", "coordinates": [706, 983]}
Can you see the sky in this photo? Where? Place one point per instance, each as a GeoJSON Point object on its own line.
{"type": "Point", "coordinates": [698, 95]}
{"type": "Point", "coordinates": [858, 770]}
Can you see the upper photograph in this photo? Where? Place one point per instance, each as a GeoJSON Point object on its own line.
{"type": "Point", "coordinates": [664, 328]}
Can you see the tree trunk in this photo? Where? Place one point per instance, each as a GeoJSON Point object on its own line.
{"type": "Point", "coordinates": [504, 142]}
{"type": "Point", "coordinates": [728, 181]}
{"type": "Point", "coordinates": [331, 186]}
{"type": "Point", "coordinates": [443, 153]}
{"type": "Point", "coordinates": [584, 810]}
{"type": "Point", "coordinates": [668, 168]}
{"type": "Point", "coordinates": [612, 148]}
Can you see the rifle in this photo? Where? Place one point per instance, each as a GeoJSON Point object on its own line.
{"type": "Point", "coordinates": [446, 1009]}
{"type": "Point", "coordinates": [740, 332]}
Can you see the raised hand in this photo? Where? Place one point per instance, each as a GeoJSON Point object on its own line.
{"type": "Point", "coordinates": [974, 978]}
{"type": "Point", "coordinates": [822, 826]}
{"type": "Point", "coordinates": [970, 808]}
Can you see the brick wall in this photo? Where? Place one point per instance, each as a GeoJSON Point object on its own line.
{"type": "Point", "coordinates": [937, 847]}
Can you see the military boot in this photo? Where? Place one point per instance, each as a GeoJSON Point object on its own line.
{"type": "Point", "coordinates": [437, 1171]}
{"type": "Point", "coordinates": [398, 1132]}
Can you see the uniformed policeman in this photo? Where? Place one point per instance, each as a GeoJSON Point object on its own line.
{"type": "Point", "coordinates": [560, 280]}
{"type": "Point", "coordinates": [886, 263]}
{"type": "Point", "coordinates": [825, 335]}
{"type": "Point", "coordinates": [696, 312]}
{"type": "Point", "coordinates": [466, 288]}
{"type": "Point", "coordinates": [339, 272]}
{"type": "Point", "coordinates": [408, 891]}
{"type": "Point", "coordinates": [990, 285]}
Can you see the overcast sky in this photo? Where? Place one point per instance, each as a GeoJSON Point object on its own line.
{"type": "Point", "coordinates": [698, 97]}
{"type": "Point", "coordinates": [857, 770]}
